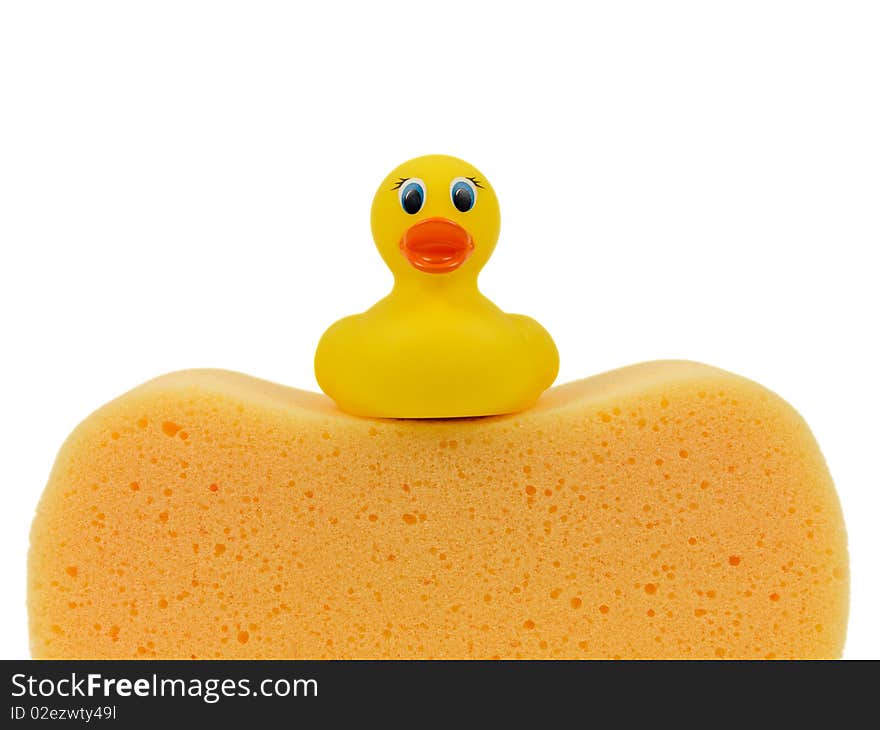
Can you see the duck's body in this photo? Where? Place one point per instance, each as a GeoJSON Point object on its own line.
{"type": "Point", "coordinates": [435, 347]}
{"type": "Point", "coordinates": [435, 357]}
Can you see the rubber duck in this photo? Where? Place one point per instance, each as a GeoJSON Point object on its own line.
{"type": "Point", "coordinates": [435, 347]}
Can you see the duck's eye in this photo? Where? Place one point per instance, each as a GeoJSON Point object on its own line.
{"type": "Point", "coordinates": [463, 194]}
{"type": "Point", "coordinates": [412, 195]}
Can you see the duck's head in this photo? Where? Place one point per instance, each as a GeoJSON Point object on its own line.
{"type": "Point", "coordinates": [435, 218]}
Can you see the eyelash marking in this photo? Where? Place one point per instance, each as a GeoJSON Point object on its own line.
{"type": "Point", "coordinates": [399, 182]}
{"type": "Point", "coordinates": [475, 182]}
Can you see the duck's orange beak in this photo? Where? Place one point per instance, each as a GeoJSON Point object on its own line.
{"type": "Point", "coordinates": [436, 245]}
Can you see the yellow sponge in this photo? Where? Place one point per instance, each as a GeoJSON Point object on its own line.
{"type": "Point", "coordinates": [664, 510]}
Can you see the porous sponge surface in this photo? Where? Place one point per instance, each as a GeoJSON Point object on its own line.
{"type": "Point", "coordinates": [668, 509]}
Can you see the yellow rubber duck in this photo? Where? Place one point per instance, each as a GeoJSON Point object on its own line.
{"type": "Point", "coordinates": [435, 347]}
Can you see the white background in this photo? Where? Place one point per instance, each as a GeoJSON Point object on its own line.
{"type": "Point", "coordinates": [187, 185]}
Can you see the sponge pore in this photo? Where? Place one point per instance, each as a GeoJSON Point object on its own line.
{"type": "Point", "coordinates": [664, 510]}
